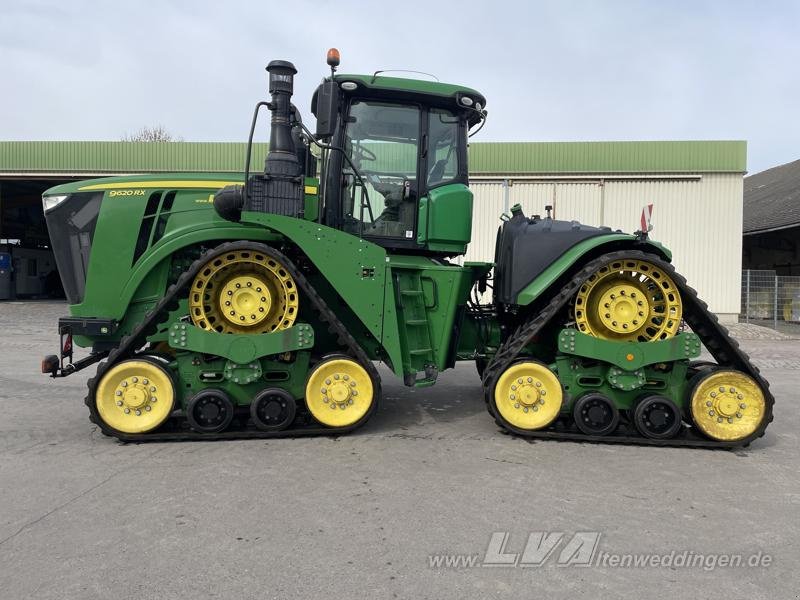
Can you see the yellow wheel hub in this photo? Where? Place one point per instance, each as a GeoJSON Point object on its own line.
{"type": "Point", "coordinates": [135, 396]}
{"type": "Point", "coordinates": [727, 405]}
{"type": "Point", "coordinates": [629, 300]}
{"type": "Point", "coordinates": [243, 292]}
{"type": "Point", "coordinates": [245, 300]}
{"type": "Point", "coordinates": [528, 395]}
{"type": "Point", "coordinates": [339, 392]}
{"type": "Point", "coordinates": [624, 309]}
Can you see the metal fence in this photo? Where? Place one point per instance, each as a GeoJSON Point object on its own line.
{"type": "Point", "coordinates": [771, 300]}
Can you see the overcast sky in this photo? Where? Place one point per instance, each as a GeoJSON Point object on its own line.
{"type": "Point", "coordinates": [551, 71]}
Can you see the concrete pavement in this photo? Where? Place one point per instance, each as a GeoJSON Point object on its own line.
{"type": "Point", "coordinates": [366, 515]}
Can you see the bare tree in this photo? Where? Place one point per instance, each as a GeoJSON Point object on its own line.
{"type": "Point", "coordinates": [157, 133]}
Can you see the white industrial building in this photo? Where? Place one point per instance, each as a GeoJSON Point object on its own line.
{"type": "Point", "coordinates": [695, 189]}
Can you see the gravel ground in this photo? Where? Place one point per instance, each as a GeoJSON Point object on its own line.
{"type": "Point", "coordinates": [366, 515]}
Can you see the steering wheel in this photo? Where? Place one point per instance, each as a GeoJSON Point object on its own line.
{"type": "Point", "coordinates": [395, 197]}
{"type": "Point", "coordinates": [364, 154]}
{"type": "Point", "coordinates": [384, 189]}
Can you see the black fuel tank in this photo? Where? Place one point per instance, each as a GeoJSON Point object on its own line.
{"type": "Point", "coordinates": [527, 246]}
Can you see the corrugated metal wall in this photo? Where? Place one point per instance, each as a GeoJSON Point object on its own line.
{"type": "Point", "coordinates": [487, 206]}
{"type": "Point", "coordinates": [486, 158]}
{"type": "Point", "coordinates": [699, 218]}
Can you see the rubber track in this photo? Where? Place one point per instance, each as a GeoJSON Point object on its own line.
{"type": "Point", "coordinates": [149, 325]}
{"type": "Point", "coordinates": [714, 336]}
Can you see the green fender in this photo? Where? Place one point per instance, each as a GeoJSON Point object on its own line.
{"type": "Point", "coordinates": [549, 276]}
{"type": "Point", "coordinates": [355, 268]}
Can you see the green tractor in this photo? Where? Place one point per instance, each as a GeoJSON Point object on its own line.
{"type": "Point", "coordinates": [227, 306]}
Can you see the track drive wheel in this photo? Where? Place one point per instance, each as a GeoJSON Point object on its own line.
{"type": "Point", "coordinates": [657, 417]}
{"type": "Point", "coordinates": [273, 409]}
{"type": "Point", "coordinates": [135, 396]}
{"type": "Point", "coordinates": [339, 392]}
{"type": "Point", "coordinates": [243, 291]}
{"type": "Point", "coordinates": [726, 405]}
{"type": "Point", "coordinates": [528, 395]}
{"type": "Point", "coordinates": [629, 300]}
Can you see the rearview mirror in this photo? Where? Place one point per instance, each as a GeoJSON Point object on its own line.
{"type": "Point", "coordinates": [327, 109]}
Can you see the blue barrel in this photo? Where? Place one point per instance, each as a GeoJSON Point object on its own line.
{"type": "Point", "coordinates": [5, 276]}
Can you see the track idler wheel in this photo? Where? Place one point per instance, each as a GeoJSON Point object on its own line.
{"type": "Point", "coordinates": [595, 414]}
{"type": "Point", "coordinates": [210, 411]}
{"type": "Point", "coordinates": [339, 392]}
{"type": "Point", "coordinates": [657, 418]}
{"type": "Point", "coordinates": [273, 409]}
{"type": "Point", "coordinates": [528, 395]}
{"type": "Point", "coordinates": [726, 405]}
{"type": "Point", "coordinates": [135, 396]}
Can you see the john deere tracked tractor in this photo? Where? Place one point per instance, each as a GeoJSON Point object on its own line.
{"type": "Point", "coordinates": [226, 306]}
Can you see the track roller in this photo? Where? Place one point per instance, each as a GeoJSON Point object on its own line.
{"type": "Point", "coordinates": [595, 414]}
{"type": "Point", "coordinates": [657, 417]}
{"type": "Point", "coordinates": [273, 409]}
{"type": "Point", "coordinates": [210, 411]}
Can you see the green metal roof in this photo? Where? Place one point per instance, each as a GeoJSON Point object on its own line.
{"type": "Point", "coordinates": [486, 158]}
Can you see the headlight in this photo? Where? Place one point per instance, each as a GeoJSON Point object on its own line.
{"type": "Point", "coordinates": [50, 202]}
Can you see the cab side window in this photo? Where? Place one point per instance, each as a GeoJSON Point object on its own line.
{"type": "Point", "coordinates": [443, 128]}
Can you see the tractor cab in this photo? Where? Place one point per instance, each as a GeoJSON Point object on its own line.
{"type": "Point", "coordinates": [395, 169]}
{"type": "Point", "coordinates": [394, 160]}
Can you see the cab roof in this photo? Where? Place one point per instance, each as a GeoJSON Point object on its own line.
{"type": "Point", "coordinates": [400, 89]}
{"type": "Point", "coordinates": [414, 86]}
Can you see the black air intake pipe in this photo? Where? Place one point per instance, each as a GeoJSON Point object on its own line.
{"type": "Point", "coordinates": [282, 158]}
{"type": "Point", "coordinates": [279, 190]}
{"type": "Point", "coordinates": [229, 202]}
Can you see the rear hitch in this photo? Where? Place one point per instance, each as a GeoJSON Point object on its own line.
{"type": "Point", "coordinates": [51, 365]}
{"type": "Point", "coordinates": [62, 364]}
